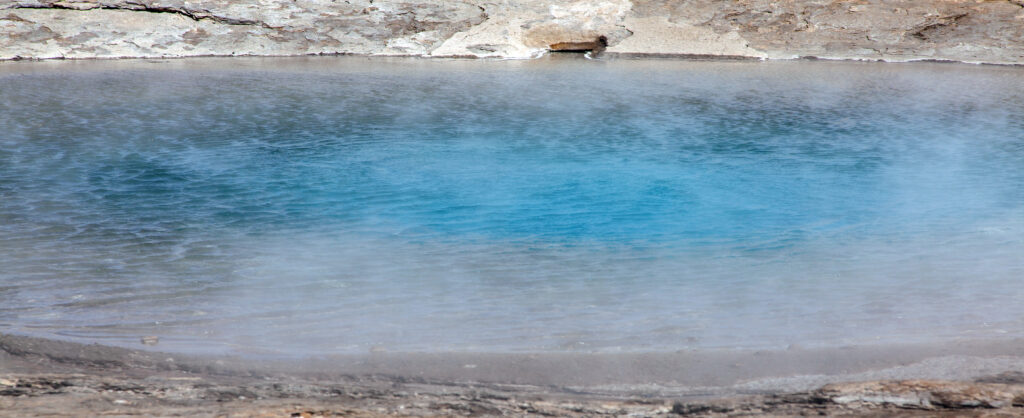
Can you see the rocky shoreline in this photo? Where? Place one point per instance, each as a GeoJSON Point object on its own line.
{"type": "Point", "coordinates": [57, 378]}
{"type": "Point", "coordinates": [94, 394]}
{"type": "Point", "coordinates": [990, 32]}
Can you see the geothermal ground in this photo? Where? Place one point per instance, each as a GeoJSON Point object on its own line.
{"type": "Point", "coordinates": [56, 378]}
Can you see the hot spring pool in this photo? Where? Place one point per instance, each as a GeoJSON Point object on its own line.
{"type": "Point", "coordinates": [333, 205]}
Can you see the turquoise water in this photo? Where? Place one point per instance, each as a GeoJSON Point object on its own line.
{"type": "Point", "coordinates": [337, 204]}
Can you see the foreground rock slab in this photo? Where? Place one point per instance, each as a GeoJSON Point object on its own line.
{"type": "Point", "coordinates": [983, 31]}
{"type": "Point", "coordinates": [94, 394]}
{"type": "Point", "coordinates": [41, 377]}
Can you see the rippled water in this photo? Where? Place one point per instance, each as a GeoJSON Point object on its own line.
{"type": "Point", "coordinates": [331, 205]}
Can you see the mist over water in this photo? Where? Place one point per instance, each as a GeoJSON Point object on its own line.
{"type": "Point", "coordinates": [330, 205]}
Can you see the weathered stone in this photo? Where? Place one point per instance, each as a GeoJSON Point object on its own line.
{"type": "Point", "coordinates": [985, 31]}
{"type": "Point", "coordinates": [659, 36]}
{"type": "Point", "coordinates": [925, 394]}
{"type": "Point", "coordinates": [128, 28]}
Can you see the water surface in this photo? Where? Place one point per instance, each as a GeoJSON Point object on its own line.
{"type": "Point", "coordinates": [329, 205]}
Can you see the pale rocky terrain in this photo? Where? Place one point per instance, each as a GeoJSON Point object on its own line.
{"type": "Point", "coordinates": [40, 377]}
{"type": "Point", "coordinates": [977, 31]}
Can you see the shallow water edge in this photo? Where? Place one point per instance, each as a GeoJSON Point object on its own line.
{"type": "Point", "coordinates": [624, 56]}
{"type": "Point", "coordinates": [685, 373]}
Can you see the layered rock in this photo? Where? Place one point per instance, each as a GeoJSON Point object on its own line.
{"type": "Point", "coordinates": [896, 30]}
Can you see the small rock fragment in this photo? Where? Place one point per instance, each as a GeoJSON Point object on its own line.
{"type": "Point", "coordinates": [150, 340]}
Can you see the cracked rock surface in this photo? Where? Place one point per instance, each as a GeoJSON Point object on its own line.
{"type": "Point", "coordinates": [156, 28]}
{"type": "Point", "coordinates": [979, 31]}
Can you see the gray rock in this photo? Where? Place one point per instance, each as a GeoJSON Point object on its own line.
{"type": "Point", "coordinates": [891, 30]}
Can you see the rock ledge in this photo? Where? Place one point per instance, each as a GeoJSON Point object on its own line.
{"type": "Point", "coordinates": [979, 31]}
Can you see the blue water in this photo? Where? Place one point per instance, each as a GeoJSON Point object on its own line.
{"type": "Point", "coordinates": [338, 204]}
